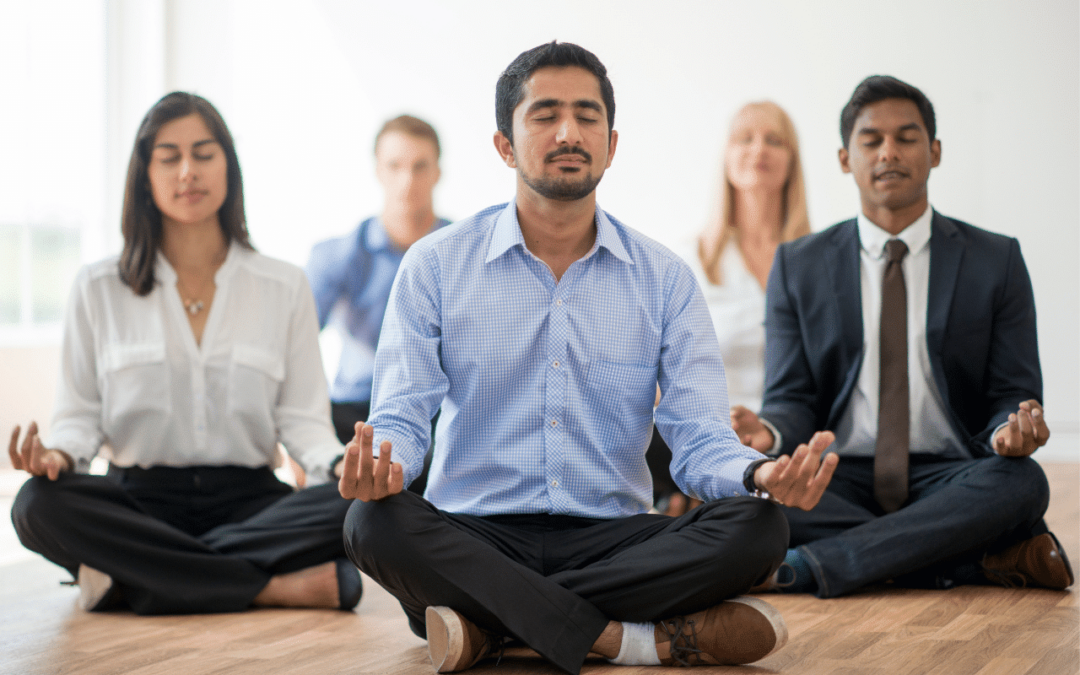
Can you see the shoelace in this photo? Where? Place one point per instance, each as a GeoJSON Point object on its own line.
{"type": "Point", "coordinates": [682, 639]}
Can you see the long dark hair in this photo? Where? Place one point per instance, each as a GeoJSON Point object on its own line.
{"type": "Point", "coordinates": [141, 219]}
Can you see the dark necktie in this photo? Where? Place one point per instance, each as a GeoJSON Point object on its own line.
{"type": "Point", "coordinates": [893, 438]}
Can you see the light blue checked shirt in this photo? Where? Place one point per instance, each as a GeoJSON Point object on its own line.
{"type": "Point", "coordinates": [547, 388]}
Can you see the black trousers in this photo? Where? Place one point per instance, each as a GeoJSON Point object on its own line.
{"type": "Point", "coordinates": [957, 511]}
{"type": "Point", "coordinates": [181, 540]}
{"type": "Point", "coordinates": [554, 582]}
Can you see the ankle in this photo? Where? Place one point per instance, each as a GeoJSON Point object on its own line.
{"type": "Point", "coordinates": [314, 586]}
{"type": "Point", "coordinates": [610, 641]}
{"type": "Point", "coordinates": [638, 644]}
{"type": "Point", "coordinates": [795, 574]}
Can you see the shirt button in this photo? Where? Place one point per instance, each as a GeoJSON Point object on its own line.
{"type": "Point", "coordinates": [554, 423]}
{"type": "Point", "coordinates": [556, 364]}
{"type": "Point", "coordinates": [554, 483]}
{"type": "Point", "coordinates": [559, 302]}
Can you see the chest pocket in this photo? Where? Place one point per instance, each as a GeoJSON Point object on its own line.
{"type": "Point", "coordinates": [134, 382]}
{"type": "Point", "coordinates": [255, 378]}
{"type": "Point", "coordinates": [624, 393]}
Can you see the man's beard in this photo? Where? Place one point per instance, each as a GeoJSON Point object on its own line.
{"type": "Point", "coordinates": [564, 188]}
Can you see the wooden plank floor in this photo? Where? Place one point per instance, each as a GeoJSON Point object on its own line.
{"type": "Point", "coordinates": [966, 631]}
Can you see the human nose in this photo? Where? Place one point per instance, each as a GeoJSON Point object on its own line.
{"type": "Point", "coordinates": [569, 131]}
{"type": "Point", "coordinates": [889, 150]}
{"type": "Point", "coordinates": [187, 169]}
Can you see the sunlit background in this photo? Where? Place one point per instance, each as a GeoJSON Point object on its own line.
{"type": "Point", "coordinates": [305, 85]}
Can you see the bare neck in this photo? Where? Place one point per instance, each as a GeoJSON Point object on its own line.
{"type": "Point", "coordinates": [895, 221]}
{"type": "Point", "coordinates": [559, 233]}
{"type": "Point", "coordinates": [758, 216]}
{"type": "Point", "coordinates": [404, 226]}
{"type": "Point", "coordinates": [194, 249]}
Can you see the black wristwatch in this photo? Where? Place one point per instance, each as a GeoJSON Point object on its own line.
{"type": "Point", "coordinates": [748, 477]}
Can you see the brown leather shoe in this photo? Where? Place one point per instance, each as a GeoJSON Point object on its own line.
{"type": "Point", "coordinates": [454, 642]}
{"type": "Point", "coordinates": [1039, 561]}
{"type": "Point", "coordinates": [739, 630]}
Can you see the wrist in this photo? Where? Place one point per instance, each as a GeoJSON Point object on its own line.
{"type": "Point", "coordinates": [750, 481]}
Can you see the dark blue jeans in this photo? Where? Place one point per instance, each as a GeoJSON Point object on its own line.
{"type": "Point", "coordinates": [957, 511]}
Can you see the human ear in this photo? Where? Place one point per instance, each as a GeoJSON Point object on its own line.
{"type": "Point", "coordinates": [844, 157]}
{"type": "Point", "coordinates": [505, 149]}
{"type": "Point", "coordinates": [614, 141]}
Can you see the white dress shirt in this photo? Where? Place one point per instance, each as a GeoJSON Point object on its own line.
{"type": "Point", "coordinates": [133, 377]}
{"type": "Point", "coordinates": [737, 307]}
{"type": "Point", "coordinates": [931, 432]}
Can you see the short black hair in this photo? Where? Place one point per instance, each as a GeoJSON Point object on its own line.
{"type": "Point", "coordinates": [509, 91]}
{"type": "Point", "coordinates": [878, 88]}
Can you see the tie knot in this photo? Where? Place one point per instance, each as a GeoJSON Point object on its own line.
{"type": "Point", "coordinates": [895, 249]}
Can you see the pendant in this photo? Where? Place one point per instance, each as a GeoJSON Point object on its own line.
{"type": "Point", "coordinates": [193, 307]}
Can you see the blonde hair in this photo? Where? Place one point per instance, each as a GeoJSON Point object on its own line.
{"type": "Point", "coordinates": [721, 228]}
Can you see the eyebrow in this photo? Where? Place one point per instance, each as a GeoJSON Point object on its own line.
{"type": "Point", "coordinates": [586, 103]}
{"type": "Point", "coordinates": [174, 146]}
{"type": "Point", "coordinates": [911, 126]}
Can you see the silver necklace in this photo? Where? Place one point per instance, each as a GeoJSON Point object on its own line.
{"type": "Point", "coordinates": [193, 307]}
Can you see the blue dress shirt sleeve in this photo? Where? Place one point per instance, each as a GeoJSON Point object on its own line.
{"type": "Point", "coordinates": [410, 387]}
{"type": "Point", "coordinates": [708, 461]}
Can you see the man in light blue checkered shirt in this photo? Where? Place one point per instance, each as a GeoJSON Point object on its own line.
{"type": "Point", "coordinates": [542, 328]}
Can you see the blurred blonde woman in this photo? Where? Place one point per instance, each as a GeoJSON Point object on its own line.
{"type": "Point", "coordinates": [762, 202]}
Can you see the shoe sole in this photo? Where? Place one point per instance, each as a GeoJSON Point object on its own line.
{"type": "Point", "coordinates": [772, 615]}
{"type": "Point", "coordinates": [445, 638]}
{"type": "Point", "coordinates": [93, 587]}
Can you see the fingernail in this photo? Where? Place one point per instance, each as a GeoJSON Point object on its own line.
{"type": "Point", "coordinates": [1036, 413]}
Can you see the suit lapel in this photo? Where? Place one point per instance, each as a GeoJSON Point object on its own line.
{"type": "Point", "coordinates": [842, 263]}
{"type": "Point", "coordinates": [946, 255]}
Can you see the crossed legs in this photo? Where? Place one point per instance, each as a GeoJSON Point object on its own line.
{"type": "Point", "coordinates": [178, 567]}
{"type": "Point", "coordinates": [957, 511]}
{"type": "Point", "coordinates": [555, 582]}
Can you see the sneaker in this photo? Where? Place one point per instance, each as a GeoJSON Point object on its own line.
{"type": "Point", "coordinates": [737, 631]}
{"type": "Point", "coordinates": [454, 642]}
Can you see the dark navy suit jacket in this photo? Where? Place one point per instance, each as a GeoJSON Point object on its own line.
{"type": "Point", "coordinates": [980, 330]}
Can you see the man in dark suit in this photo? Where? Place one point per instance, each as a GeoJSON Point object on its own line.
{"type": "Point", "coordinates": [912, 337]}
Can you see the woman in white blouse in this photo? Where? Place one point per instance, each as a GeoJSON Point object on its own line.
{"type": "Point", "coordinates": [762, 202]}
{"type": "Point", "coordinates": [185, 362]}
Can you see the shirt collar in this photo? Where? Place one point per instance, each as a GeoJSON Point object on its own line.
{"type": "Point", "coordinates": [873, 239]}
{"type": "Point", "coordinates": [507, 234]}
{"type": "Point", "coordinates": [375, 236]}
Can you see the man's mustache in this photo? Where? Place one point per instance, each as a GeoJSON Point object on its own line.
{"type": "Point", "coordinates": [568, 151]}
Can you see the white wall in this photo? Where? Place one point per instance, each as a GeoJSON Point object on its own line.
{"type": "Point", "coordinates": [305, 85]}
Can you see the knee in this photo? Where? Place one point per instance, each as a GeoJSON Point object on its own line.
{"type": "Point", "coordinates": [1026, 481]}
{"type": "Point", "coordinates": [35, 505]}
{"type": "Point", "coordinates": [373, 531]}
{"type": "Point", "coordinates": [755, 529]}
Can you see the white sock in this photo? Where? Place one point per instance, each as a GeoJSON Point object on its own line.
{"type": "Point", "coordinates": [638, 645]}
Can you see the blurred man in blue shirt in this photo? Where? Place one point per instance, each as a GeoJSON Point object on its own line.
{"type": "Point", "coordinates": [351, 275]}
{"type": "Point", "coordinates": [542, 327]}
